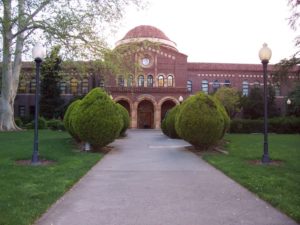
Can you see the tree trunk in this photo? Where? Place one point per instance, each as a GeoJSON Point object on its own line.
{"type": "Point", "coordinates": [9, 80]}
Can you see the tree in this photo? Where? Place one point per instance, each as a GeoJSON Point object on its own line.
{"type": "Point", "coordinates": [294, 108]}
{"type": "Point", "coordinates": [79, 26]}
{"type": "Point", "coordinates": [230, 98]}
{"type": "Point", "coordinates": [50, 91]}
{"type": "Point", "coordinates": [253, 105]}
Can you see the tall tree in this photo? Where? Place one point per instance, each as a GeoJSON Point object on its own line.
{"type": "Point", "coordinates": [78, 25]}
{"type": "Point", "coordinates": [50, 90]}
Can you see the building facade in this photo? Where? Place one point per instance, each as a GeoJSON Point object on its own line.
{"type": "Point", "coordinates": [164, 77]}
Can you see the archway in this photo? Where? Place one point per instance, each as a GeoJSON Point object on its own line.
{"type": "Point", "coordinates": [165, 107]}
{"type": "Point", "coordinates": [145, 115]}
{"type": "Point", "coordinates": [126, 105]}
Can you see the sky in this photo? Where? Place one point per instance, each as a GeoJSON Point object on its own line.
{"type": "Point", "coordinates": [231, 31]}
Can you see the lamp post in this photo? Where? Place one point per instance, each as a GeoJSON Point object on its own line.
{"type": "Point", "coordinates": [180, 99]}
{"type": "Point", "coordinates": [38, 53]}
{"type": "Point", "coordinates": [288, 101]}
{"type": "Point", "coordinates": [265, 54]}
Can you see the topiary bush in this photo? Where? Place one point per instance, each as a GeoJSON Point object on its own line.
{"type": "Point", "coordinates": [97, 119]}
{"type": "Point", "coordinates": [201, 121]}
{"type": "Point", "coordinates": [125, 117]}
{"type": "Point", "coordinates": [170, 122]}
{"type": "Point", "coordinates": [69, 116]}
{"type": "Point", "coordinates": [42, 124]}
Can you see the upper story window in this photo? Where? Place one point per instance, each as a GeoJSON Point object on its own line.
{"type": "Point", "coordinates": [85, 86]}
{"type": "Point", "coordinates": [129, 81]}
{"type": "Point", "coordinates": [62, 86]}
{"type": "Point", "coordinates": [150, 81]}
{"type": "Point", "coordinates": [189, 86]}
{"type": "Point", "coordinates": [141, 81]}
{"type": "Point", "coordinates": [101, 82]}
{"type": "Point", "coordinates": [121, 81]}
{"type": "Point", "coordinates": [170, 81]}
{"type": "Point", "coordinates": [160, 81]}
{"type": "Point", "coordinates": [216, 85]}
{"type": "Point", "coordinates": [245, 88]}
{"type": "Point", "coordinates": [74, 86]}
{"type": "Point", "coordinates": [277, 89]}
{"type": "Point", "coordinates": [256, 84]}
{"type": "Point", "coordinates": [32, 86]}
{"type": "Point", "coordinates": [204, 86]}
{"type": "Point", "coordinates": [227, 83]}
{"type": "Point", "coordinates": [22, 86]}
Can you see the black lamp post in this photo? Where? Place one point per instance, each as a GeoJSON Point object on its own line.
{"type": "Point", "coordinates": [265, 54]}
{"type": "Point", "coordinates": [38, 53]}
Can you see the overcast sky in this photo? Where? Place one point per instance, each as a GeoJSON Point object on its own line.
{"type": "Point", "coordinates": [230, 31]}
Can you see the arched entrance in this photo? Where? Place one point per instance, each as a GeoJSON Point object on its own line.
{"type": "Point", "coordinates": [145, 117]}
{"type": "Point", "coordinates": [167, 105]}
{"type": "Point", "coordinates": [126, 105]}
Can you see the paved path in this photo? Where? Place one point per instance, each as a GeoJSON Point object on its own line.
{"type": "Point", "coordinates": [152, 180]}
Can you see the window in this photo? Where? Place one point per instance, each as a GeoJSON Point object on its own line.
{"type": "Point", "coordinates": [21, 110]}
{"type": "Point", "coordinates": [129, 81]}
{"type": "Point", "coordinates": [150, 81]}
{"type": "Point", "coordinates": [277, 89]}
{"type": "Point", "coordinates": [204, 86]}
{"type": "Point", "coordinates": [160, 81]}
{"type": "Point", "coordinates": [189, 86]}
{"type": "Point", "coordinates": [245, 88]}
{"type": "Point", "coordinates": [141, 81]}
{"type": "Point", "coordinates": [256, 84]}
{"type": "Point", "coordinates": [85, 86]}
{"type": "Point", "coordinates": [62, 86]}
{"type": "Point", "coordinates": [121, 81]}
{"type": "Point", "coordinates": [227, 83]}
{"type": "Point", "coordinates": [170, 81]}
{"type": "Point", "coordinates": [74, 86]}
{"type": "Point", "coordinates": [22, 86]}
{"type": "Point", "coordinates": [101, 82]}
{"type": "Point", "coordinates": [32, 85]}
{"type": "Point", "coordinates": [216, 85]}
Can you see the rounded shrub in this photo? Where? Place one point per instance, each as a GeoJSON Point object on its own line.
{"type": "Point", "coordinates": [226, 117]}
{"type": "Point", "coordinates": [97, 119]}
{"type": "Point", "coordinates": [163, 125]}
{"type": "Point", "coordinates": [125, 117]}
{"type": "Point", "coordinates": [42, 124]}
{"type": "Point", "coordinates": [200, 121]}
{"type": "Point", "coordinates": [170, 122]}
{"type": "Point", "coordinates": [55, 124]}
{"type": "Point", "coordinates": [69, 116]}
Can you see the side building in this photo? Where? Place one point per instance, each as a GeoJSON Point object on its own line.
{"type": "Point", "coordinates": [164, 77]}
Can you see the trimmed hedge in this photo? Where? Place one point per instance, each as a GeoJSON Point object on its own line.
{"type": "Point", "coordinates": [97, 119]}
{"type": "Point", "coordinates": [69, 116]}
{"type": "Point", "coordinates": [125, 117]}
{"type": "Point", "coordinates": [55, 124]}
{"type": "Point", "coordinates": [280, 125]}
{"type": "Point", "coordinates": [169, 122]}
{"type": "Point", "coordinates": [201, 120]}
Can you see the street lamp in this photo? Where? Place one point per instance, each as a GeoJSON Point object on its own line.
{"type": "Point", "coordinates": [288, 101]}
{"type": "Point", "coordinates": [180, 99]}
{"type": "Point", "coordinates": [38, 53]}
{"type": "Point", "coordinates": [265, 54]}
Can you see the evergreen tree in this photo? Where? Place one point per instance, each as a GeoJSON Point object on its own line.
{"type": "Point", "coordinates": [50, 90]}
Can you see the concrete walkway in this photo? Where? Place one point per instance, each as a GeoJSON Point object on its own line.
{"type": "Point", "coordinates": [152, 180]}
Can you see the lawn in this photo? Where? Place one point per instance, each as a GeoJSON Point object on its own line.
{"type": "Point", "coordinates": [278, 184]}
{"type": "Point", "coordinates": [27, 191]}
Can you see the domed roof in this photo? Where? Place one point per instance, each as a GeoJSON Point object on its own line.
{"type": "Point", "coordinates": [149, 33]}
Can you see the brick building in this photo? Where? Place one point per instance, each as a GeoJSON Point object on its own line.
{"type": "Point", "coordinates": [166, 75]}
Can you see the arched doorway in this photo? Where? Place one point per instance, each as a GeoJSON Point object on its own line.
{"type": "Point", "coordinates": [167, 105]}
{"type": "Point", "coordinates": [145, 115]}
{"type": "Point", "coordinates": [125, 104]}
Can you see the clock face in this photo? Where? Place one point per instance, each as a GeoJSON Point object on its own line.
{"type": "Point", "coordinates": [145, 61]}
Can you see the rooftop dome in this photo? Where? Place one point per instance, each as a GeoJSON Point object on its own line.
{"type": "Point", "coordinates": [146, 33]}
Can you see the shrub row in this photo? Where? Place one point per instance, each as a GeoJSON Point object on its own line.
{"type": "Point", "coordinates": [96, 119]}
{"type": "Point", "coordinates": [201, 120]}
{"type": "Point", "coordinates": [53, 124]}
{"type": "Point", "coordinates": [280, 125]}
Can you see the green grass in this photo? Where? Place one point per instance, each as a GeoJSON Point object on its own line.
{"type": "Point", "coordinates": [277, 184]}
{"type": "Point", "coordinates": [27, 191]}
